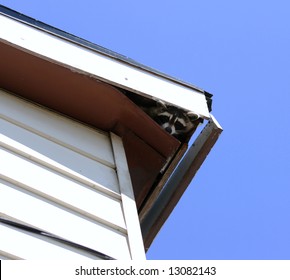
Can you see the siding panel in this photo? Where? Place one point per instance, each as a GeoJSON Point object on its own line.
{"type": "Point", "coordinates": [57, 156]}
{"type": "Point", "coordinates": [60, 177]}
{"type": "Point", "coordinates": [42, 247]}
{"type": "Point", "coordinates": [57, 128]}
{"type": "Point", "coordinates": [51, 217]}
{"type": "Point", "coordinates": [63, 190]}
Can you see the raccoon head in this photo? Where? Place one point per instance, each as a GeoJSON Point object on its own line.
{"type": "Point", "coordinates": [176, 122]}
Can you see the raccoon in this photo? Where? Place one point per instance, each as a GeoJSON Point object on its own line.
{"type": "Point", "coordinates": [176, 122]}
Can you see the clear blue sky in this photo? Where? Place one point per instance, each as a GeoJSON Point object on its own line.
{"type": "Point", "coordinates": [238, 206]}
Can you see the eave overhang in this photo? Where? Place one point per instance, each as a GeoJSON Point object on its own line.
{"type": "Point", "coordinates": [85, 81]}
{"type": "Point", "coordinates": [84, 57]}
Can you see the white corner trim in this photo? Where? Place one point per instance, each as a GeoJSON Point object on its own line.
{"type": "Point", "coordinates": [128, 201]}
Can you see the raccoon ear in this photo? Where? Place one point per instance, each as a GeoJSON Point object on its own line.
{"type": "Point", "coordinates": [193, 116]}
{"type": "Point", "coordinates": [161, 104]}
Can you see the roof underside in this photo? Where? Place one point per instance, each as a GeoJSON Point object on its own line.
{"type": "Point", "coordinates": [115, 56]}
{"type": "Point", "coordinates": [89, 44]}
{"type": "Point", "coordinates": [151, 152]}
{"type": "Point", "coordinates": [94, 103]}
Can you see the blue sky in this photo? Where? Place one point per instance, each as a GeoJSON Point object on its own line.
{"type": "Point", "coordinates": [238, 205]}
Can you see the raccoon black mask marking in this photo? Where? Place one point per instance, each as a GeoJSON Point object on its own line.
{"type": "Point", "coordinates": [175, 121]}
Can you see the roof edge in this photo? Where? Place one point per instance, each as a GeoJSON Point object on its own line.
{"type": "Point", "coordinates": [85, 43]}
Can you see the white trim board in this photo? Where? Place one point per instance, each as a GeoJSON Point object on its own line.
{"type": "Point", "coordinates": [82, 59]}
{"type": "Point", "coordinates": [135, 239]}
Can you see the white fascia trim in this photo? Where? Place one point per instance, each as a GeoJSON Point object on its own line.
{"type": "Point", "coordinates": [103, 67]}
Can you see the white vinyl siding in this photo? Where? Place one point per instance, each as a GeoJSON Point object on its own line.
{"type": "Point", "coordinates": [46, 248]}
{"type": "Point", "coordinates": [60, 176]}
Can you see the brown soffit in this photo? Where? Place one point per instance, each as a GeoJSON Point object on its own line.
{"type": "Point", "coordinates": [93, 103]}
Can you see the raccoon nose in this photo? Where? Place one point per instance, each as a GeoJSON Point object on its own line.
{"type": "Point", "coordinates": [168, 129]}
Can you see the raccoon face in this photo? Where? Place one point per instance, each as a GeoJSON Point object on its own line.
{"type": "Point", "coordinates": [175, 121]}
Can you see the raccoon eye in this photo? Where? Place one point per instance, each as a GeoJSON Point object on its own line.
{"type": "Point", "coordinates": [179, 126]}
{"type": "Point", "coordinates": [162, 119]}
